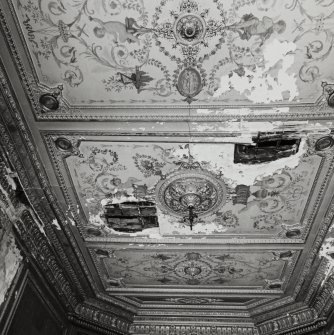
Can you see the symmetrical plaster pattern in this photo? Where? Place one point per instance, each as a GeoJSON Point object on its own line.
{"type": "Point", "coordinates": [244, 70]}
{"type": "Point", "coordinates": [149, 53]}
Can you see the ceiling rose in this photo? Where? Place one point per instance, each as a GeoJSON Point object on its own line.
{"type": "Point", "coordinates": [193, 187]}
{"type": "Point", "coordinates": [189, 29]}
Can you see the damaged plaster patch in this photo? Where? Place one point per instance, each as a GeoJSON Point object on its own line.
{"type": "Point", "coordinates": [56, 224]}
{"type": "Point", "coordinates": [269, 83]}
{"type": "Point", "coordinates": [72, 222]}
{"type": "Point", "coordinates": [10, 259]}
{"type": "Point", "coordinates": [237, 174]}
{"type": "Point", "coordinates": [172, 225]}
{"type": "Point", "coordinates": [97, 221]}
{"type": "Point", "coordinates": [248, 128]}
{"type": "Point", "coordinates": [327, 251]}
{"type": "Point", "coordinates": [242, 111]}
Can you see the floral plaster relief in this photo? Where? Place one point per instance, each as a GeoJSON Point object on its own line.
{"type": "Point", "coordinates": [265, 199]}
{"type": "Point", "coordinates": [179, 51]}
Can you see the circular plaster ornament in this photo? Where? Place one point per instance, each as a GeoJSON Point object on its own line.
{"type": "Point", "coordinates": [324, 143]}
{"type": "Point", "coordinates": [49, 102]}
{"type": "Point", "coordinates": [63, 144]}
{"type": "Point", "coordinates": [197, 188]}
{"type": "Point", "coordinates": [192, 269]}
{"type": "Point", "coordinates": [189, 29]}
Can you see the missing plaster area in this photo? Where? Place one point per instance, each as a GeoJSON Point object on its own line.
{"type": "Point", "coordinates": [267, 147]}
{"type": "Point", "coordinates": [131, 216]}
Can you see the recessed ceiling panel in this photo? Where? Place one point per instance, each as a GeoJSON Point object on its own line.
{"type": "Point", "coordinates": [262, 200]}
{"type": "Point", "coordinates": [226, 268]}
{"type": "Point", "coordinates": [145, 52]}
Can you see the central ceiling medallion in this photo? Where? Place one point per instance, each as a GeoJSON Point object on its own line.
{"type": "Point", "coordinates": [189, 29]}
{"type": "Point", "coordinates": [192, 268]}
{"type": "Point", "coordinates": [191, 190]}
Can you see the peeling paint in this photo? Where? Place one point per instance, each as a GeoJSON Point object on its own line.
{"type": "Point", "coordinates": [72, 222]}
{"type": "Point", "coordinates": [269, 83]}
{"type": "Point", "coordinates": [234, 126]}
{"type": "Point", "coordinates": [327, 251]}
{"type": "Point", "coordinates": [238, 173]}
{"type": "Point", "coordinates": [242, 111]}
{"type": "Point", "coordinates": [10, 259]}
{"type": "Point", "coordinates": [56, 224]}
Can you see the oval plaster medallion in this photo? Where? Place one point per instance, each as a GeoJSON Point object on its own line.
{"type": "Point", "coordinates": [324, 143]}
{"type": "Point", "coordinates": [189, 83]}
{"type": "Point", "coordinates": [49, 102]}
{"type": "Point", "coordinates": [63, 144]}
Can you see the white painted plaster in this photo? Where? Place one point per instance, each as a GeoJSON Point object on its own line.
{"type": "Point", "coordinates": [242, 111]}
{"type": "Point", "coordinates": [72, 222]}
{"type": "Point", "coordinates": [10, 180]}
{"type": "Point", "coordinates": [173, 225]}
{"type": "Point", "coordinates": [10, 259]}
{"type": "Point", "coordinates": [269, 83]}
{"type": "Point", "coordinates": [56, 224]}
{"type": "Point", "coordinates": [327, 249]}
{"type": "Point", "coordinates": [239, 173]}
{"type": "Point", "coordinates": [239, 125]}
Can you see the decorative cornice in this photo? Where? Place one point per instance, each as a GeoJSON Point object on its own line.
{"type": "Point", "coordinates": [42, 252]}
{"type": "Point", "coordinates": [43, 202]}
{"type": "Point", "coordinates": [287, 322]}
{"type": "Point", "coordinates": [90, 325]}
{"type": "Point", "coordinates": [169, 329]}
{"type": "Point", "coordinates": [324, 299]}
{"type": "Point", "coordinates": [110, 321]}
{"type": "Point", "coordinates": [35, 194]}
{"type": "Point", "coordinates": [306, 329]}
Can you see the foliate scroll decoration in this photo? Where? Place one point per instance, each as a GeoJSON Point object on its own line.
{"type": "Point", "coordinates": [41, 251]}
{"type": "Point", "coordinates": [140, 329]}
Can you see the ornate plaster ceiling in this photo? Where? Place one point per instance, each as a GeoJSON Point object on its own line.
{"type": "Point", "coordinates": [236, 51]}
{"type": "Point", "coordinates": [143, 54]}
{"type": "Point", "coordinates": [206, 77]}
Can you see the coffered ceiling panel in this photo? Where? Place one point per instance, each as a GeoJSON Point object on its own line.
{"type": "Point", "coordinates": [270, 200]}
{"type": "Point", "coordinates": [214, 269]}
{"type": "Point", "coordinates": [115, 53]}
